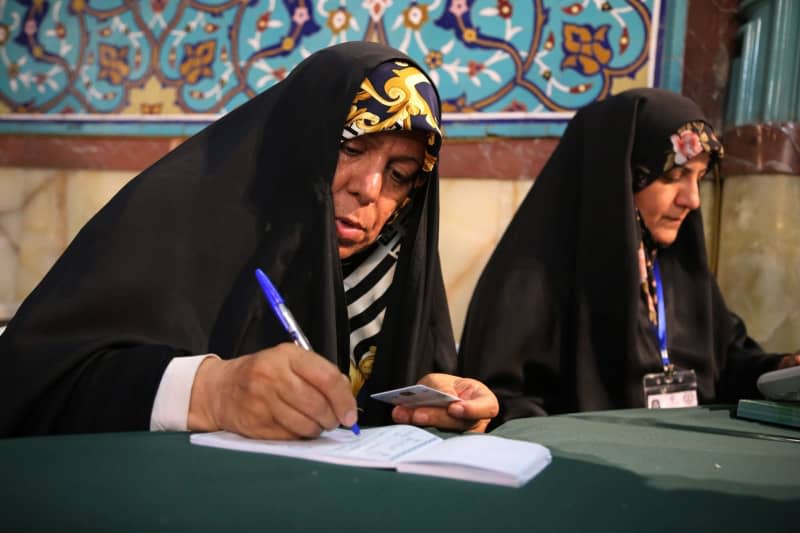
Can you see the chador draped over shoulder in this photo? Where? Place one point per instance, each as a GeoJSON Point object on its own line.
{"type": "Point", "coordinates": [557, 322]}
{"type": "Point", "coordinates": [167, 267]}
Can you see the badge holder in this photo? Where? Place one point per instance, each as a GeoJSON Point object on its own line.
{"type": "Point", "coordinates": [671, 388]}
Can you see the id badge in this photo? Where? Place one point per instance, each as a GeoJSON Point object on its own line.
{"type": "Point", "coordinates": [666, 390]}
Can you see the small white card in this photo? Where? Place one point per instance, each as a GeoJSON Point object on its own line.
{"type": "Point", "coordinates": [672, 399]}
{"type": "Point", "coordinates": [416, 396]}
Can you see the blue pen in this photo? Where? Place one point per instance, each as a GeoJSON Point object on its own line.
{"type": "Point", "coordinates": [287, 319]}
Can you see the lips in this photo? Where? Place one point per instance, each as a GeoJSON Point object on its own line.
{"type": "Point", "coordinates": [348, 229]}
{"type": "Point", "coordinates": [673, 220]}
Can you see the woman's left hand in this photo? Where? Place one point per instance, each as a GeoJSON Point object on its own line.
{"type": "Point", "coordinates": [477, 407]}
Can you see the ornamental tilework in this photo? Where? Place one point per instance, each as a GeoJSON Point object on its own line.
{"type": "Point", "coordinates": [172, 62]}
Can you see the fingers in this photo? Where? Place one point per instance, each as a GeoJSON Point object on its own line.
{"type": "Point", "coordinates": [437, 417]}
{"type": "Point", "coordinates": [789, 361]}
{"type": "Point", "coordinates": [332, 386]}
{"type": "Point", "coordinates": [282, 423]}
{"type": "Point", "coordinates": [298, 403]}
{"type": "Point", "coordinates": [479, 401]}
{"type": "Point", "coordinates": [443, 382]}
{"type": "Point", "coordinates": [283, 392]}
{"type": "Point", "coordinates": [474, 412]}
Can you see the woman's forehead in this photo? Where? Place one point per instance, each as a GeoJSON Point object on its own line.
{"type": "Point", "coordinates": [381, 137]}
{"type": "Point", "coordinates": [395, 145]}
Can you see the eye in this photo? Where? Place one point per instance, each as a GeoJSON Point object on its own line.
{"type": "Point", "coordinates": [350, 148]}
{"type": "Point", "coordinates": [401, 177]}
{"type": "Point", "coordinates": [403, 172]}
{"type": "Point", "coordinates": [673, 175]}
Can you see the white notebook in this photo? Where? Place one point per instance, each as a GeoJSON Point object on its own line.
{"type": "Point", "coordinates": [407, 449]}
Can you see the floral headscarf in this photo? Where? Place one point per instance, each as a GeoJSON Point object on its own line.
{"type": "Point", "coordinates": [688, 141]}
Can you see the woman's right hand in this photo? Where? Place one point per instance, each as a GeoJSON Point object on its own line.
{"type": "Point", "coordinates": [789, 360]}
{"type": "Point", "coordinates": [283, 392]}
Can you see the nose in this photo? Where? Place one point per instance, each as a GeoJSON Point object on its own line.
{"type": "Point", "coordinates": [366, 184]}
{"type": "Point", "coordinates": [689, 195]}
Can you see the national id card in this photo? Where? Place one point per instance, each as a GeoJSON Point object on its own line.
{"type": "Point", "coordinates": [416, 396]}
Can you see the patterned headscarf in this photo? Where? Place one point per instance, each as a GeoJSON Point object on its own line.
{"type": "Point", "coordinates": [688, 141]}
{"type": "Point", "coordinates": [394, 96]}
{"type": "Point", "coordinates": [397, 96]}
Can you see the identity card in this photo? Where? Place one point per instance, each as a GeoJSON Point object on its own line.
{"type": "Point", "coordinates": [416, 396]}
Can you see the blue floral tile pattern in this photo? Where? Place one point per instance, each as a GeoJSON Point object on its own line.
{"type": "Point", "coordinates": [173, 61]}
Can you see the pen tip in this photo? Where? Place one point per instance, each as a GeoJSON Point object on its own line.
{"type": "Point", "coordinates": [355, 429]}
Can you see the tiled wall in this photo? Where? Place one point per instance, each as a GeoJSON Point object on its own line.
{"type": "Point", "coordinates": [167, 68]}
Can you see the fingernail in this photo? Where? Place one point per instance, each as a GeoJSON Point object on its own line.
{"type": "Point", "coordinates": [456, 409]}
{"type": "Point", "coordinates": [350, 418]}
{"type": "Point", "coordinates": [422, 418]}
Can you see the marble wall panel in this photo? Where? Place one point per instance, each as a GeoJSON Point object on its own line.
{"type": "Point", "coordinates": [759, 261]}
{"type": "Point", "coordinates": [41, 211]}
{"type": "Point", "coordinates": [474, 215]}
{"type": "Point", "coordinates": [11, 201]}
{"type": "Point", "coordinates": [42, 221]}
{"type": "Point", "coordinates": [87, 192]}
{"type": "Point", "coordinates": [708, 207]}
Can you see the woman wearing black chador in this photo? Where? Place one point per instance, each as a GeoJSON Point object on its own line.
{"type": "Point", "coordinates": [153, 317]}
{"type": "Point", "coordinates": [599, 296]}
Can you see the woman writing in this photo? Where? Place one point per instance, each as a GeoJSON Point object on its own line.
{"type": "Point", "coordinates": [153, 316]}
{"type": "Point", "coordinates": [599, 293]}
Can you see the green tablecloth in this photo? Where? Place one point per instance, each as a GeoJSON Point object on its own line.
{"type": "Point", "coordinates": [677, 470]}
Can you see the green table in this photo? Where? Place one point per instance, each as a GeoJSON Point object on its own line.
{"type": "Point", "coordinates": [667, 470]}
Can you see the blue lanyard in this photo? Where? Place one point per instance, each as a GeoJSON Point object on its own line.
{"type": "Point", "coordinates": [661, 329]}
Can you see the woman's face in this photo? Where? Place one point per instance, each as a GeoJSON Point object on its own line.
{"type": "Point", "coordinates": [374, 175]}
{"type": "Point", "coordinates": [665, 203]}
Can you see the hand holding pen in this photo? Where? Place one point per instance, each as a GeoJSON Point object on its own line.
{"type": "Point", "coordinates": [287, 320]}
{"type": "Point", "coordinates": [283, 392]}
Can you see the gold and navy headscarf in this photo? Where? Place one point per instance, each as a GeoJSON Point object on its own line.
{"type": "Point", "coordinates": [397, 96]}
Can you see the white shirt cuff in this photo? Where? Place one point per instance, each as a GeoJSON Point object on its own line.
{"type": "Point", "coordinates": [171, 406]}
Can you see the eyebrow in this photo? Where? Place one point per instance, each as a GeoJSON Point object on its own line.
{"type": "Point", "coordinates": [406, 158]}
{"type": "Point", "coordinates": [400, 157]}
{"type": "Point", "coordinates": [704, 171]}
